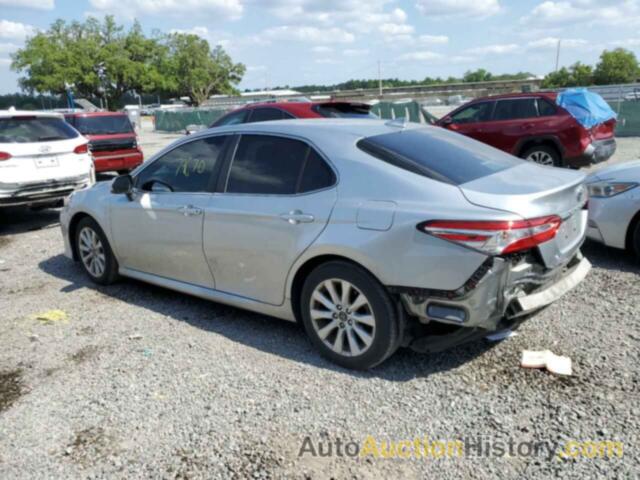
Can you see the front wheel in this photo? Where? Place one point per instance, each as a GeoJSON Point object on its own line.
{"type": "Point", "coordinates": [349, 315]}
{"type": "Point", "coordinates": [95, 252]}
{"type": "Point", "coordinates": [543, 155]}
{"type": "Point", "coordinates": [636, 240]}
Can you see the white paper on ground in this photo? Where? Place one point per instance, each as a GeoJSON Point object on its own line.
{"type": "Point", "coordinates": [546, 359]}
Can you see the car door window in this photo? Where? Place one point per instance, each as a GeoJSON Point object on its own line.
{"type": "Point", "coordinates": [515, 109]}
{"type": "Point", "coordinates": [265, 115]}
{"type": "Point", "coordinates": [266, 164]}
{"type": "Point", "coordinates": [233, 118]}
{"type": "Point", "coordinates": [478, 112]}
{"type": "Point", "coordinates": [187, 168]}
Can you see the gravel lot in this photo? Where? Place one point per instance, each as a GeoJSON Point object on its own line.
{"type": "Point", "coordinates": [144, 382]}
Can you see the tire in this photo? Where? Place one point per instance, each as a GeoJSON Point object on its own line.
{"type": "Point", "coordinates": [635, 240]}
{"type": "Point", "coordinates": [96, 258]}
{"type": "Point", "coordinates": [364, 341]}
{"type": "Point", "coordinates": [547, 155]}
{"type": "Point", "coordinates": [124, 172]}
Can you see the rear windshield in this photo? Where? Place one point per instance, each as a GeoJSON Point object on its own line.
{"type": "Point", "coordinates": [28, 129]}
{"type": "Point", "coordinates": [439, 154]}
{"type": "Point", "coordinates": [344, 110]}
{"type": "Point", "coordinates": [103, 124]}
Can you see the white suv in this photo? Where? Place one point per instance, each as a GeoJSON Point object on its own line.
{"type": "Point", "coordinates": [42, 158]}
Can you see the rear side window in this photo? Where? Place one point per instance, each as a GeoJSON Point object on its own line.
{"type": "Point", "coordinates": [30, 129]}
{"type": "Point", "coordinates": [233, 118]}
{"type": "Point", "coordinates": [515, 109]}
{"type": "Point", "coordinates": [266, 164]}
{"type": "Point", "coordinates": [438, 154]}
{"type": "Point", "coordinates": [344, 110]}
{"type": "Point", "coordinates": [266, 114]}
{"type": "Point", "coordinates": [103, 124]}
{"type": "Point", "coordinates": [478, 112]}
{"type": "Point", "coordinates": [545, 108]}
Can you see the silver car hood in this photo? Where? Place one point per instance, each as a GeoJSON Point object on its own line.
{"type": "Point", "coordinates": [627, 171]}
{"type": "Point", "coordinates": [529, 190]}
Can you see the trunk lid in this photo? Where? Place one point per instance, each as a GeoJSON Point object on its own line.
{"type": "Point", "coordinates": [532, 191]}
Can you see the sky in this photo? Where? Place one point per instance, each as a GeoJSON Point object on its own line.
{"type": "Point", "coordinates": [296, 42]}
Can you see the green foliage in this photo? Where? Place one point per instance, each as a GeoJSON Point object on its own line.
{"type": "Point", "coordinates": [577, 75]}
{"type": "Point", "coordinates": [101, 58]}
{"type": "Point", "coordinates": [616, 66]}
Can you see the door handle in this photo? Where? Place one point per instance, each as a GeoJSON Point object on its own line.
{"type": "Point", "coordinates": [296, 216]}
{"type": "Point", "coordinates": [190, 211]}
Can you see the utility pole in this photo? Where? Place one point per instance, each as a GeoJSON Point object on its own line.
{"type": "Point", "coordinates": [379, 80]}
{"type": "Point", "coordinates": [558, 55]}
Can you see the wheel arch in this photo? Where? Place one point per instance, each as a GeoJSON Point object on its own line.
{"type": "Point", "coordinates": [550, 141]}
{"type": "Point", "coordinates": [630, 230]}
{"type": "Point", "coordinates": [303, 271]}
{"type": "Point", "coordinates": [73, 226]}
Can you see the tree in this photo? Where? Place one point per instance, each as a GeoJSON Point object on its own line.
{"type": "Point", "coordinates": [198, 71]}
{"type": "Point", "coordinates": [480, 75]}
{"type": "Point", "coordinates": [616, 66]}
{"type": "Point", "coordinates": [95, 58]}
{"type": "Point", "coordinates": [577, 75]}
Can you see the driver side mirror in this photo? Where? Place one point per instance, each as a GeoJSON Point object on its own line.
{"type": "Point", "coordinates": [447, 120]}
{"type": "Point", "coordinates": [122, 184]}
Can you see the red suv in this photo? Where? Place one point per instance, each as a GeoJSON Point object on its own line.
{"type": "Point", "coordinates": [533, 127]}
{"type": "Point", "coordinates": [112, 139]}
{"type": "Point", "coordinates": [263, 112]}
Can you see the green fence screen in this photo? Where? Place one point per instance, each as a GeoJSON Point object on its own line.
{"type": "Point", "coordinates": [628, 118]}
{"type": "Point", "coordinates": [178, 120]}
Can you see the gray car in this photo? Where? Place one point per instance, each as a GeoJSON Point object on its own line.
{"type": "Point", "coordinates": [614, 206]}
{"type": "Point", "coordinates": [373, 235]}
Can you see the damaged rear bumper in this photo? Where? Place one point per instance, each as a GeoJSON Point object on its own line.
{"type": "Point", "coordinates": [35, 193]}
{"type": "Point", "coordinates": [502, 289]}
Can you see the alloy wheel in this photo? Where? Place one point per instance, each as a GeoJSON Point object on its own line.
{"type": "Point", "coordinates": [342, 317]}
{"type": "Point", "coordinates": [543, 158]}
{"type": "Point", "coordinates": [92, 252]}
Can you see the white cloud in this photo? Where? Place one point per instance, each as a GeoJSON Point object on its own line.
{"type": "Point", "coordinates": [5, 62]}
{"type": "Point", "coordinates": [230, 9]}
{"type": "Point", "coordinates": [256, 68]}
{"type": "Point", "coordinates": [560, 13]}
{"type": "Point", "coordinates": [433, 39]}
{"type": "Point", "coordinates": [308, 34]}
{"type": "Point", "coordinates": [355, 52]}
{"type": "Point", "coordinates": [494, 49]}
{"type": "Point", "coordinates": [37, 4]}
{"type": "Point", "coordinates": [462, 8]}
{"type": "Point", "coordinates": [15, 30]}
{"type": "Point", "coordinates": [322, 49]}
{"type": "Point", "coordinates": [328, 61]}
{"type": "Point", "coordinates": [552, 42]}
{"type": "Point", "coordinates": [421, 56]}
{"type": "Point", "coordinates": [392, 29]}
{"type": "Point", "coordinates": [8, 47]}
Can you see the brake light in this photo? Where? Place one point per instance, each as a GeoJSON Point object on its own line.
{"type": "Point", "coordinates": [84, 148]}
{"type": "Point", "coordinates": [495, 237]}
{"type": "Point", "coordinates": [4, 156]}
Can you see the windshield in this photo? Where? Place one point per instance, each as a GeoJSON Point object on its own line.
{"type": "Point", "coordinates": [103, 124]}
{"type": "Point", "coordinates": [438, 154]}
{"type": "Point", "coordinates": [344, 110]}
{"type": "Point", "coordinates": [27, 129]}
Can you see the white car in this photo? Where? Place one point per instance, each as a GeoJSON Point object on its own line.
{"type": "Point", "coordinates": [42, 158]}
{"type": "Point", "coordinates": [614, 206]}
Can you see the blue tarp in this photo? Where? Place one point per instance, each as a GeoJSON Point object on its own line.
{"type": "Point", "coordinates": [588, 108]}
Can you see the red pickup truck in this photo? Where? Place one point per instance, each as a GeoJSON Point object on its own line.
{"type": "Point", "coordinates": [112, 139]}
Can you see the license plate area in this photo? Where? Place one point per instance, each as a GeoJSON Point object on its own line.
{"type": "Point", "coordinates": [47, 162]}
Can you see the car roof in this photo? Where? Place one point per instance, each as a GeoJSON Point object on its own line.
{"type": "Point", "coordinates": [317, 128]}
{"type": "Point", "coordinates": [549, 95]}
{"type": "Point", "coordinates": [95, 114]}
{"type": "Point", "coordinates": [28, 113]}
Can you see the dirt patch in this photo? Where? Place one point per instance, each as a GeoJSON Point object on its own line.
{"type": "Point", "coordinates": [11, 388]}
{"type": "Point", "coordinates": [84, 354]}
{"type": "Point", "coordinates": [90, 445]}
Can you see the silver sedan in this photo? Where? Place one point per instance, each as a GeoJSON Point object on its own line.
{"type": "Point", "coordinates": [374, 235]}
{"type": "Point", "coordinates": [614, 206]}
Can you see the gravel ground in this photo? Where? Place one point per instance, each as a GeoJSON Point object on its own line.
{"type": "Point", "coordinates": [140, 381]}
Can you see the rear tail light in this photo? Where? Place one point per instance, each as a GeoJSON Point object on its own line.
{"type": "Point", "coordinates": [495, 237]}
{"type": "Point", "coordinates": [84, 148]}
{"type": "Point", "coordinates": [4, 156]}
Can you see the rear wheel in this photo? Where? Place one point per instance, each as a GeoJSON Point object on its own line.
{"type": "Point", "coordinates": [95, 252]}
{"type": "Point", "coordinates": [543, 155]}
{"type": "Point", "coordinates": [349, 315]}
{"type": "Point", "coordinates": [124, 172]}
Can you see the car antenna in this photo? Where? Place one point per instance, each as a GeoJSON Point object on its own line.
{"type": "Point", "coordinates": [400, 122]}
